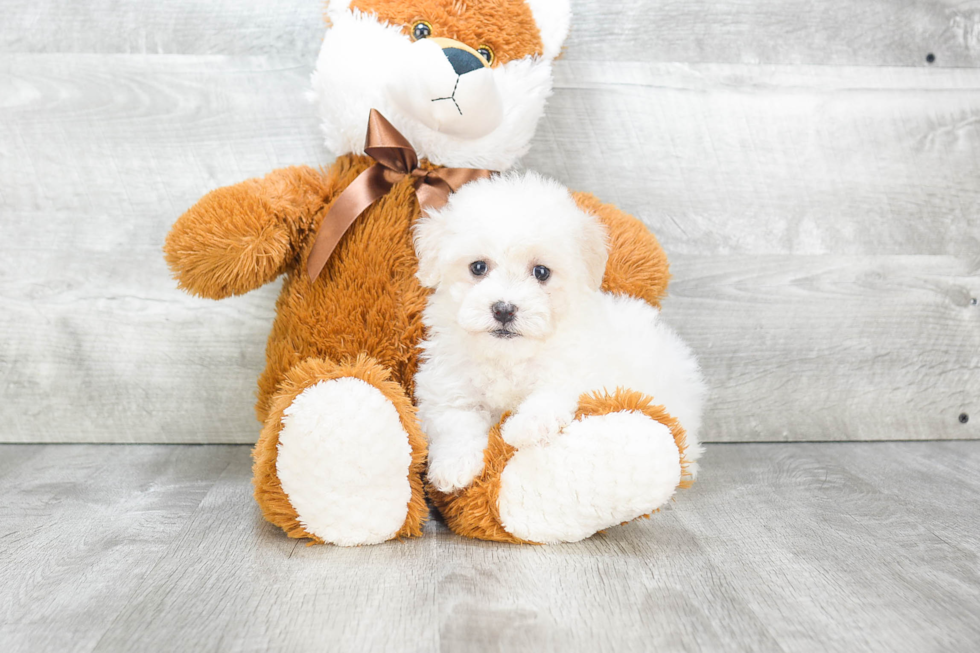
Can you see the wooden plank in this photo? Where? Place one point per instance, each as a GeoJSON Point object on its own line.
{"type": "Point", "coordinates": [777, 547]}
{"type": "Point", "coordinates": [733, 159]}
{"type": "Point", "coordinates": [18, 457]}
{"type": "Point", "coordinates": [264, 592]}
{"type": "Point", "coordinates": [129, 359]}
{"type": "Point", "coordinates": [774, 159]}
{"type": "Point", "coordinates": [81, 527]}
{"type": "Point", "coordinates": [729, 165]}
{"type": "Point", "coordinates": [934, 524]}
{"type": "Point", "coordinates": [814, 348]}
{"type": "Point", "coordinates": [88, 190]}
{"type": "Point", "coordinates": [833, 348]}
{"type": "Point", "coordinates": [227, 27]}
{"type": "Point", "coordinates": [867, 33]}
{"type": "Point", "coordinates": [871, 32]}
{"type": "Point", "coordinates": [805, 566]}
{"type": "Point", "coordinates": [123, 135]}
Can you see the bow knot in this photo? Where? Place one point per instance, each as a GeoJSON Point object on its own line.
{"type": "Point", "coordinates": [395, 159]}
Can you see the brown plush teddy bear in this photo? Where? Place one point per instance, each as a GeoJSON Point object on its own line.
{"type": "Point", "coordinates": [341, 457]}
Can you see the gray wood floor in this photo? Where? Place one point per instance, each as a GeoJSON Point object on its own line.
{"type": "Point", "coordinates": [778, 547]}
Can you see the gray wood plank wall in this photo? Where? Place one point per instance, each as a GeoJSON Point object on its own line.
{"type": "Point", "coordinates": [814, 178]}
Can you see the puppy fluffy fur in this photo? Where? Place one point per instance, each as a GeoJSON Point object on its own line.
{"type": "Point", "coordinates": [565, 338]}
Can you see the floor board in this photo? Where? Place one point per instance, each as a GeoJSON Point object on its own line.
{"type": "Point", "coordinates": [778, 547]}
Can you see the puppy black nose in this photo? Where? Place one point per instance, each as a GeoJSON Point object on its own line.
{"type": "Point", "coordinates": [462, 61]}
{"type": "Point", "coordinates": [504, 312]}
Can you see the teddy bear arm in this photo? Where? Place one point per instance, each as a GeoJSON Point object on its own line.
{"type": "Point", "coordinates": [240, 237]}
{"type": "Point", "coordinates": [637, 264]}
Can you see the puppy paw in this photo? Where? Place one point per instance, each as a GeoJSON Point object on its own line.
{"type": "Point", "coordinates": [536, 424]}
{"type": "Point", "coordinates": [450, 473]}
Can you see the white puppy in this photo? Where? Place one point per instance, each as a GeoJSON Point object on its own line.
{"type": "Point", "coordinates": [517, 322]}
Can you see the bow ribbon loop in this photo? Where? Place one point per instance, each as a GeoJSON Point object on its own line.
{"type": "Point", "coordinates": [395, 159]}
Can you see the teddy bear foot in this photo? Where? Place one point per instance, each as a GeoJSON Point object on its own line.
{"type": "Point", "coordinates": [346, 467]}
{"type": "Point", "coordinates": [343, 462]}
{"type": "Point", "coordinates": [602, 471]}
{"type": "Point", "coordinates": [623, 457]}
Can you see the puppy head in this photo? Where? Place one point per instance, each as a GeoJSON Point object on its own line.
{"type": "Point", "coordinates": [509, 258]}
{"type": "Point", "coordinates": [466, 83]}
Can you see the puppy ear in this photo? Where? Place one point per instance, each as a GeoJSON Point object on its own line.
{"type": "Point", "coordinates": [595, 251]}
{"type": "Point", "coordinates": [429, 233]}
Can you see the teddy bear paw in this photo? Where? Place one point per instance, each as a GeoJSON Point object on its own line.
{"type": "Point", "coordinates": [604, 470]}
{"type": "Point", "coordinates": [344, 461]}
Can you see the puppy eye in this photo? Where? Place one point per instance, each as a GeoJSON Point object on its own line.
{"type": "Point", "coordinates": [486, 52]}
{"type": "Point", "coordinates": [541, 273]}
{"type": "Point", "coordinates": [478, 268]}
{"type": "Point", "coordinates": [421, 30]}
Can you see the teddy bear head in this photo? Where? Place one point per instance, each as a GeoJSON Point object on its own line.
{"type": "Point", "coordinates": [465, 82]}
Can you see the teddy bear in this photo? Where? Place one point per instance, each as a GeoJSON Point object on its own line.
{"type": "Point", "coordinates": [416, 98]}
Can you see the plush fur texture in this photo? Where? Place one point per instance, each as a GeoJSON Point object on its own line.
{"type": "Point", "coordinates": [348, 436]}
{"type": "Point", "coordinates": [241, 237]}
{"type": "Point", "coordinates": [362, 317]}
{"type": "Point", "coordinates": [475, 510]}
{"type": "Point", "coordinates": [508, 27]}
{"type": "Point", "coordinates": [563, 338]}
{"type": "Point", "coordinates": [553, 18]}
{"type": "Point", "coordinates": [601, 472]}
{"type": "Point", "coordinates": [512, 28]}
{"type": "Point", "coordinates": [269, 492]}
{"type": "Point", "coordinates": [401, 78]}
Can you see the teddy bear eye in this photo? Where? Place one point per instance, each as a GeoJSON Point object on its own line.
{"type": "Point", "coordinates": [541, 273]}
{"type": "Point", "coordinates": [421, 30]}
{"type": "Point", "coordinates": [478, 268]}
{"type": "Point", "coordinates": [486, 52]}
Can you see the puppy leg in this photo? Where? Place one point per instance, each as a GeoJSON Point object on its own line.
{"type": "Point", "coordinates": [540, 418]}
{"type": "Point", "coordinates": [472, 511]}
{"type": "Point", "coordinates": [457, 439]}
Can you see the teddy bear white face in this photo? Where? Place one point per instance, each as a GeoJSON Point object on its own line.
{"type": "Point", "coordinates": [448, 87]}
{"type": "Point", "coordinates": [465, 83]}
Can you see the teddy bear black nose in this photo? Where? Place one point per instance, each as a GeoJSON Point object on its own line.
{"type": "Point", "coordinates": [504, 312]}
{"type": "Point", "coordinates": [462, 61]}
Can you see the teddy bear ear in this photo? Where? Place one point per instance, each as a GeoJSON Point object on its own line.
{"type": "Point", "coordinates": [553, 18]}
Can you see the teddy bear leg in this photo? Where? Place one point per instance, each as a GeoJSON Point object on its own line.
{"type": "Point", "coordinates": [340, 456]}
{"type": "Point", "coordinates": [622, 458]}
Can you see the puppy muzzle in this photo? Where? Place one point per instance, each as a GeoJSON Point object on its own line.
{"type": "Point", "coordinates": [504, 314]}
{"type": "Point", "coordinates": [447, 86]}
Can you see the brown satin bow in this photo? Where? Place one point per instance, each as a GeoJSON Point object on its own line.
{"type": "Point", "coordinates": [396, 159]}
